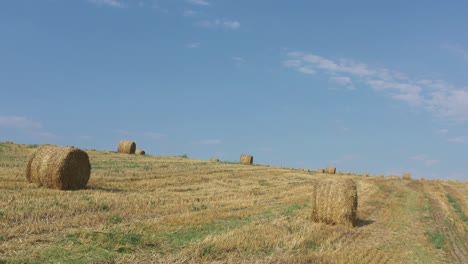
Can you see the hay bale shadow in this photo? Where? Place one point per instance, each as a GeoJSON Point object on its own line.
{"type": "Point", "coordinates": [362, 222]}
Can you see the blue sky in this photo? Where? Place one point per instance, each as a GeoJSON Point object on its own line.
{"type": "Point", "coordinates": [369, 87]}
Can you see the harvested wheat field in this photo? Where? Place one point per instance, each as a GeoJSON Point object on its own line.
{"type": "Point", "coordinates": [150, 209]}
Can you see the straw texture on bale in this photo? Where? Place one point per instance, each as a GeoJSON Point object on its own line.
{"type": "Point", "coordinates": [330, 170]}
{"type": "Point", "coordinates": [334, 202]}
{"type": "Point", "coordinates": [126, 146]}
{"type": "Point", "coordinates": [321, 170]}
{"type": "Point", "coordinates": [140, 152]}
{"type": "Point", "coordinates": [214, 159]}
{"type": "Point", "coordinates": [246, 159]}
{"type": "Point", "coordinates": [62, 168]}
{"type": "Point", "coordinates": [406, 176]}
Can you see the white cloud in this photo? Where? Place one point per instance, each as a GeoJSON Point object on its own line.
{"type": "Point", "coordinates": [306, 70]}
{"type": "Point", "coordinates": [147, 135]}
{"type": "Point", "coordinates": [238, 59]}
{"type": "Point", "coordinates": [442, 131]}
{"type": "Point", "coordinates": [199, 2]}
{"type": "Point", "coordinates": [424, 160]}
{"type": "Point", "coordinates": [342, 80]}
{"type": "Point", "coordinates": [152, 135]}
{"type": "Point", "coordinates": [19, 122]}
{"type": "Point", "coordinates": [436, 96]}
{"type": "Point", "coordinates": [43, 134]}
{"type": "Point", "coordinates": [193, 45]}
{"type": "Point", "coordinates": [111, 3]}
{"type": "Point", "coordinates": [189, 13]}
{"type": "Point", "coordinates": [207, 142]}
{"type": "Point", "coordinates": [462, 140]}
{"type": "Point", "coordinates": [458, 50]}
{"type": "Point", "coordinates": [231, 24]}
{"type": "Point", "coordinates": [220, 23]}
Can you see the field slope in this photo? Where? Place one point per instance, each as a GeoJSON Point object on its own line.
{"type": "Point", "coordinates": [151, 209]}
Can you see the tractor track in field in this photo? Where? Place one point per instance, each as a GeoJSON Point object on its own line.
{"type": "Point", "coordinates": [457, 248]}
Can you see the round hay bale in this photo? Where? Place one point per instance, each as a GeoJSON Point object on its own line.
{"type": "Point", "coordinates": [406, 176]}
{"type": "Point", "coordinates": [334, 202]}
{"type": "Point", "coordinates": [214, 159]}
{"type": "Point", "coordinates": [330, 170]}
{"type": "Point", "coordinates": [140, 152]}
{"type": "Point", "coordinates": [59, 167]}
{"type": "Point", "coordinates": [127, 147]}
{"type": "Point", "coordinates": [321, 170]}
{"type": "Point", "coordinates": [246, 159]}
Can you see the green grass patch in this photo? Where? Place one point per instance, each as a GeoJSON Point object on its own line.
{"type": "Point", "coordinates": [456, 206]}
{"type": "Point", "coordinates": [291, 209]}
{"type": "Point", "coordinates": [436, 238]}
{"type": "Point", "coordinates": [178, 239]}
{"type": "Point", "coordinates": [95, 247]}
{"type": "Point", "coordinates": [115, 219]}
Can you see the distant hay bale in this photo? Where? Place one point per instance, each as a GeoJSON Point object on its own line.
{"type": "Point", "coordinates": [62, 168]}
{"type": "Point", "coordinates": [127, 147]}
{"type": "Point", "coordinates": [140, 152]}
{"type": "Point", "coordinates": [321, 170]}
{"type": "Point", "coordinates": [393, 177]}
{"type": "Point", "coordinates": [406, 176]}
{"type": "Point", "coordinates": [330, 170]}
{"type": "Point", "coordinates": [334, 202]}
{"type": "Point", "coordinates": [366, 175]}
{"type": "Point", "coordinates": [246, 159]}
{"type": "Point", "coordinates": [214, 159]}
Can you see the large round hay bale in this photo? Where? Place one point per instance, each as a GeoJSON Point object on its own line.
{"type": "Point", "coordinates": [126, 146]}
{"type": "Point", "coordinates": [246, 159]}
{"type": "Point", "coordinates": [406, 176]}
{"type": "Point", "coordinates": [330, 170]}
{"type": "Point", "coordinates": [55, 167]}
{"type": "Point", "coordinates": [214, 160]}
{"type": "Point", "coordinates": [140, 152]}
{"type": "Point", "coordinates": [321, 170]}
{"type": "Point", "coordinates": [334, 202]}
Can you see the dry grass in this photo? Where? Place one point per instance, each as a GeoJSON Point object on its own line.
{"type": "Point", "coordinates": [127, 147]}
{"type": "Point", "coordinates": [63, 168]}
{"type": "Point", "coordinates": [147, 209]}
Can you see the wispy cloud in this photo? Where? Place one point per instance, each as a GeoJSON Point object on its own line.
{"type": "Point", "coordinates": [27, 125]}
{"type": "Point", "coordinates": [110, 3]}
{"type": "Point", "coordinates": [19, 122]}
{"type": "Point", "coordinates": [424, 160]}
{"type": "Point", "coordinates": [199, 2]}
{"type": "Point", "coordinates": [442, 131]}
{"type": "Point", "coordinates": [147, 135]}
{"type": "Point", "coordinates": [462, 140]}
{"type": "Point", "coordinates": [207, 142]}
{"type": "Point", "coordinates": [238, 59]}
{"type": "Point", "coordinates": [436, 96]}
{"type": "Point", "coordinates": [458, 50]}
{"type": "Point", "coordinates": [193, 45]}
{"type": "Point", "coordinates": [220, 23]}
{"type": "Point", "coordinates": [342, 80]}
{"type": "Point", "coordinates": [43, 134]}
{"type": "Point", "coordinates": [189, 13]}
{"type": "Point", "coordinates": [153, 135]}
